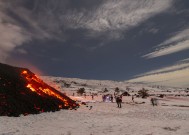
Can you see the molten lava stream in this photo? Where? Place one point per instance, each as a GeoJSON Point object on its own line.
{"type": "Point", "coordinates": [38, 86]}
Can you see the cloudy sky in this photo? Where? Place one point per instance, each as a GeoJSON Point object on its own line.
{"type": "Point", "coordinates": [135, 40]}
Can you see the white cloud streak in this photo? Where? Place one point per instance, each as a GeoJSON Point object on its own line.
{"type": "Point", "coordinates": [179, 66]}
{"type": "Point", "coordinates": [177, 78]}
{"type": "Point", "coordinates": [175, 44]}
{"type": "Point", "coordinates": [176, 75]}
{"type": "Point", "coordinates": [184, 60]}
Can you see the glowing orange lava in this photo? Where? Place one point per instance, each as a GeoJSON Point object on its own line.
{"type": "Point", "coordinates": [38, 86]}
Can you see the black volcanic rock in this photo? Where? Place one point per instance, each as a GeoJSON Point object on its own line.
{"type": "Point", "coordinates": [21, 92]}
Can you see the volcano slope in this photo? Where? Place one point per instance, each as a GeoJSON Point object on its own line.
{"type": "Point", "coordinates": [22, 92]}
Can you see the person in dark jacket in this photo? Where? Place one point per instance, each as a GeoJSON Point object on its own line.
{"type": "Point", "coordinates": [133, 98]}
{"type": "Point", "coordinates": [111, 98]}
{"type": "Point", "coordinates": [118, 101]}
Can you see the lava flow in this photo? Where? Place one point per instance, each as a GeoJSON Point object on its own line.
{"type": "Point", "coordinates": [22, 92]}
{"type": "Point", "coordinates": [38, 86]}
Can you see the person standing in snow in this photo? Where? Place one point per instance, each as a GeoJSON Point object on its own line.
{"type": "Point", "coordinates": [102, 98]}
{"type": "Point", "coordinates": [132, 98]}
{"type": "Point", "coordinates": [154, 101]}
{"type": "Point", "coordinates": [119, 101]}
{"type": "Point", "coordinates": [111, 98]}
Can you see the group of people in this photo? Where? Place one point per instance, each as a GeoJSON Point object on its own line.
{"type": "Point", "coordinates": [108, 98]}
{"type": "Point", "coordinates": [118, 99]}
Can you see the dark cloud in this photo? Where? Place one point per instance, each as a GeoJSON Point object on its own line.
{"type": "Point", "coordinates": [93, 39]}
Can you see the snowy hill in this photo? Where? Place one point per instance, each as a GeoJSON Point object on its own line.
{"type": "Point", "coordinates": [98, 86]}
{"type": "Point", "coordinates": [170, 117]}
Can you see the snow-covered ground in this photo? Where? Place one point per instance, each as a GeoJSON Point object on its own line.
{"type": "Point", "coordinates": [170, 117]}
